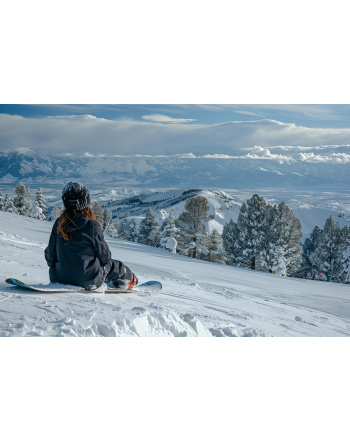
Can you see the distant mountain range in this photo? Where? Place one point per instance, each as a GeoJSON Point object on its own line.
{"type": "Point", "coordinates": [309, 185]}
{"type": "Point", "coordinates": [179, 171]}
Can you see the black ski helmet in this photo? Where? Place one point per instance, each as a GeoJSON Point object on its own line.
{"type": "Point", "coordinates": [75, 196]}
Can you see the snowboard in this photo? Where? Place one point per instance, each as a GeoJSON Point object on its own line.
{"type": "Point", "coordinates": [147, 287]}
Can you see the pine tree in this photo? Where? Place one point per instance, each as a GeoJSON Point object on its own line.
{"type": "Point", "coordinates": [9, 205]}
{"type": "Point", "coordinates": [252, 229]}
{"type": "Point", "coordinates": [306, 269]}
{"type": "Point", "coordinates": [130, 230]}
{"type": "Point", "coordinates": [168, 228]}
{"type": "Point", "coordinates": [282, 250]}
{"type": "Point", "coordinates": [186, 234]}
{"type": "Point", "coordinates": [36, 211]}
{"type": "Point", "coordinates": [270, 254]}
{"type": "Point", "coordinates": [22, 201]}
{"type": "Point", "coordinates": [121, 229]}
{"type": "Point", "coordinates": [168, 233]}
{"type": "Point", "coordinates": [28, 198]}
{"type": "Point", "coordinates": [230, 240]}
{"type": "Point", "coordinates": [41, 202]}
{"type": "Point", "coordinates": [55, 213]}
{"type": "Point", "coordinates": [345, 276]}
{"type": "Point", "coordinates": [328, 256]}
{"type": "Point", "coordinates": [97, 210]}
{"type": "Point", "coordinates": [149, 229]}
{"type": "Point", "coordinates": [2, 203]}
{"type": "Point", "coordinates": [202, 243]}
{"type": "Point", "coordinates": [107, 218]}
{"type": "Point", "coordinates": [112, 228]}
{"type": "Point", "coordinates": [216, 249]}
{"type": "Point", "coordinates": [193, 239]}
{"type": "Point", "coordinates": [265, 237]}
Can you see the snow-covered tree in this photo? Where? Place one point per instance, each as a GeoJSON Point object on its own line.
{"type": "Point", "coordinates": [121, 228]}
{"type": "Point", "coordinates": [265, 237]}
{"type": "Point", "coordinates": [217, 253]}
{"type": "Point", "coordinates": [9, 205]}
{"type": "Point", "coordinates": [36, 211]}
{"type": "Point", "coordinates": [2, 203]}
{"type": "Point", "coordinates": [168, 228]}
{"type": "Point", "coordinates": [22, 201]}
{"type": "Point", "coordinates": [346, 256]}
{"type": "Point", "coordinates": [230, 240]}
{"type": "Point", "coordinates": [55, 213]}
{"type": "Point", "coordinates": [281, 252]}
{"type": "Point", "coordinates": [169, 243]}
{"type": "Point", "coordinates": [97, 210]}
{"type": "Point", "coordinates": [250, 234]}
{"type": "Point", "coordinates": [307, 270]}
{"type": "Point", "coordinates": [107, 218]}
{"type": "Point", "coordinates": [112, 228]}
{"type": "Point", "coordinates": [193, 239]}
{"type": "Point", "coordinates": [41, 203]}
{"type": "Point", "coordinates": [328, 255]}
{"type": "Point", "coordinates": [149, 229]}
{"type": "Point", "coordinates": [129, 230]}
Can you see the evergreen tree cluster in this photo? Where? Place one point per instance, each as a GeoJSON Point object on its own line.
{"type": "Point", "coordinates": [24, 204]}
{"type": "Point", "coordinates": [326, 254]}
{"type": "Point", "coordinates": [185, 235]}
{"type": "Point", "coordinates": [265, 238]}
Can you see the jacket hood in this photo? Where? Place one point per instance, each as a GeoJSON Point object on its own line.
{"type": "Point", "coordinates": [79, 221]}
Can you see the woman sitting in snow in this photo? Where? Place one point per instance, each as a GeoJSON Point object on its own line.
{"type": "Point", "coordinates": [77, 252]}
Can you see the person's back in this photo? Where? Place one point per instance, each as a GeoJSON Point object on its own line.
{"type": "Point", "coordinates": [77, 252]}
{"type": "Point", "coordinates": [80, 258]}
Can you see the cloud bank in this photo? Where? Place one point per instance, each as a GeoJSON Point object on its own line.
{"type": "Point", "coordinates": [261, 139]}
{"type": "Point", "coordinates": [156, 117]}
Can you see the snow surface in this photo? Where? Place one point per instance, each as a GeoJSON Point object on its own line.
{"type": "Point", "coordinates": [199, 298]}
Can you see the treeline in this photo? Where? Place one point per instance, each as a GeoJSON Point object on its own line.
{"type": "Point", "coordinates": [264, 238]}
{"type": "Point", "coordinates": [326, 254]}
{"type": "Point", "coordinates": [24, 203]}
{"type": "Point", "coordinates": [185, 235]}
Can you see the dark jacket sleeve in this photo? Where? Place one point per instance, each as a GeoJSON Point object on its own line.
{"type": "Point", "coordinates": [101, 247]}
{"type": "Point", "coordinates": [50, 251]}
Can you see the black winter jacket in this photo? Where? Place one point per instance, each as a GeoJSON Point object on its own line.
{"type": "Point", "coordinates": [79, 260]}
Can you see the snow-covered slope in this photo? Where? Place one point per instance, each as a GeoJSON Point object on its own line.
{"type": "Point", "coordinates": [198, 298]}
{"type": "Point", "coordinates": [166, 203]}
{"type": "Point", "coordinates": [221, 205]}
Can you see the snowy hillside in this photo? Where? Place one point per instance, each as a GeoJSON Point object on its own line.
{"type": "Point", "coordinates": [166, 203]}
{"type": "Point", "coordinates": [198, 298]}
{"type": "Point", "coordinates": [221, 205]}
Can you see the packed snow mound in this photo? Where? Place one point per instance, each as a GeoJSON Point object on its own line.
{"type": "Point", "coordinates": [199, 298]}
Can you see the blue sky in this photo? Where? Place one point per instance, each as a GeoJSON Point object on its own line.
{"type": "Point", "coordinates": [306, 115]}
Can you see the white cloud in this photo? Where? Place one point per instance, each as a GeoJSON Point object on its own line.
{"type": "Point", "coordinates": [335, 158]}
{"type": "Point", "coordinates": [243, 112]}
{"type": "Point", "coordinates": [264, 153]}
{"type": "Point", "coordinates": [23, 150]}
{"type": "Point", "coordinates": [264, 139]}
{"type": "Point", "coordinates": [156, 117]}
